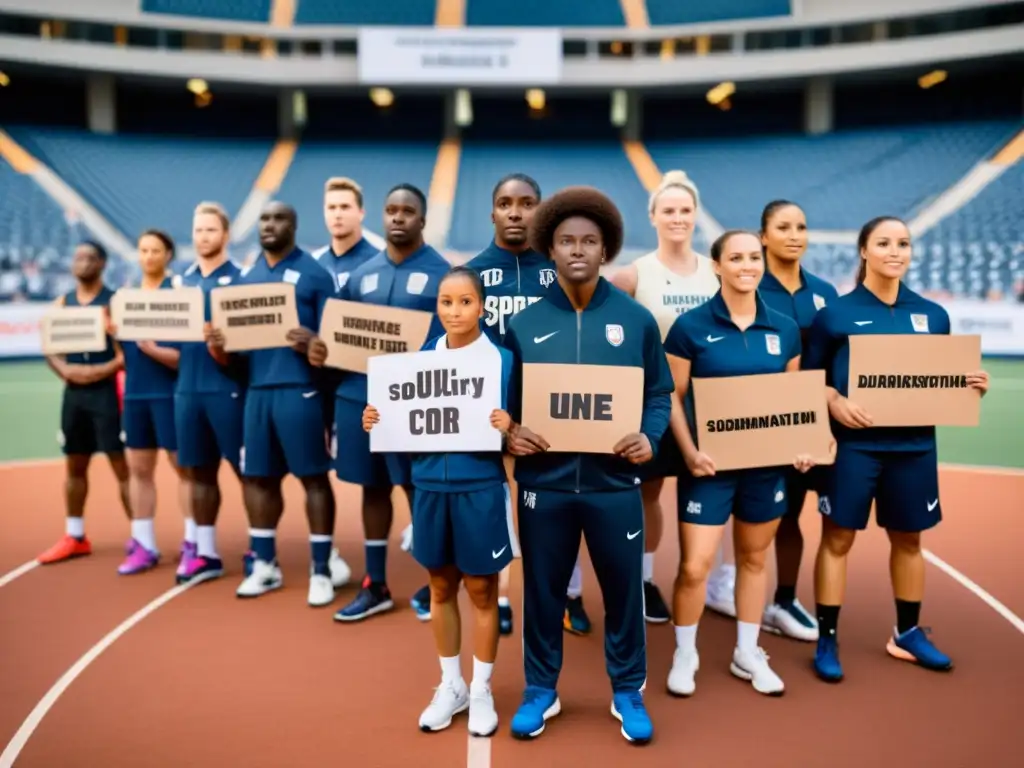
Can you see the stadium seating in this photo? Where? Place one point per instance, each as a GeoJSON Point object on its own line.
{"type": "Point", "coordinates": [236, 10]}
{"type": "Point", "coordinates": [545, 13]}
{"type": "Point", "coordinates": [675, 12]}
{"type": "Point", "coordinates": [403, 12]}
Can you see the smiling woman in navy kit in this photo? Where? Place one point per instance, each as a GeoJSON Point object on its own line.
{"type": "Point", "coordinates": [584, 320]}
{"type": "Point", "coordinates": [733, 334]}
{"type": "Point", "coordinates": [896, 467]}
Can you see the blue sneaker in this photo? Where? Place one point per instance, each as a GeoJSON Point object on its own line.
{"type": "Point", "coordinates": [628, 708]}
{"type": "Point", "coordinates": [914, 646]}
{"type": "Point", "coordinates": [826, 659]}
{"type": "Point", "coordinates": [373, 598]}
{"type": "Point", "coordinates": [421, 603]}
{"type": "Point", "coordinates": [539, 705]}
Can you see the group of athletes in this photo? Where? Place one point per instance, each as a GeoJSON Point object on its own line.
{"type": "Point", "coordinates": [536, 294]}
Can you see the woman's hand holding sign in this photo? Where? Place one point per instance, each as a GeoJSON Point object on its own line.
{"type": "Point", "coordinates": [371, 416]}
{"type": "Point", "coordinates": [317, 352]}
{"type": "Point", "coordinates": [635, 448]}
{"type": "Point", "coordinates": [978, 380]}
{"type": "Point", "coordinates": [501, 421]}
{"type": "Point", "coordinates": [848, 413]}
{"type": "Point", "coordinates": [523, 442]}
{"type": "Point", "coordinates": [699, 463]}
{"type": "Point", "coordinates": [215, 343]}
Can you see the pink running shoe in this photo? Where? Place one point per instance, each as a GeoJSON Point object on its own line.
{"type": "Point", "coordinates": [187, 552]}
{"type": "Point", "coordinates": [199, 569]}
{"type": "Point", "coordinates": [139, 560]}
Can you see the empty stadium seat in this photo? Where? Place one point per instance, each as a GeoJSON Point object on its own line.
{"type": "Point", "coordinates": [400, 12]}
{"type": "Point", "coordinates": [545, 13]}
{"type": "Point", "coordinates": [237, 10]}
{"type": "Point", "coordinates": [675, 12]}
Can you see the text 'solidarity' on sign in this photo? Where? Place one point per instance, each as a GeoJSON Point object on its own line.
{"type": "Point", "coordinates": [256, 316]}
{"type": "Point", "coordinates": [167, 314]}
{"type": "Point", "coordinates": [354, 332]}
{"type": "Point", "coordinates": [70, 330]}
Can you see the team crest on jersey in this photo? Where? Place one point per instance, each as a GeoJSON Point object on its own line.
{"type": "Point", "coordinates": [614, 334]}
{"type": "Point", "coordinates": [492, 277]}
{"type": "Point", "coordinates": [224, 280]}
{"type": "Point", "coordinates": [368, 284]}
{"type": "Point", "coordinates": [547, 277]}
{"type": "Point", "coordinates": [819, 301]}
{"type": "Point", "coordinates": [176, 281]}
{"type": "Point", "coordinates": [416, 283]}
{"type": "Point", "coordinates": [920, 323]}
{"type": "Point", "coordinates": [772, 342]}
{"type": "Point", "coordinates": [342, 279]}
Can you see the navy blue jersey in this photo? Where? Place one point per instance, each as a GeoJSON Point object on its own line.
{"type": "Point", "coordinates": [828, 347]}
{"type": "Point", "coordinates": [314, 285]}
{"type": "Point", "coordinates": [198, 372]}
{"type": "Point", "coordinates": [802, 306]}
{"type": "Point", "coordinates": [341, 265]}
{"type": "Point", "coordinates": [708, 338]}
{"type": "Point", "coordinates": [102, 299]}
{"type": "Point", "coordinates": [145, 377]}
{"type": "Point", "coordinates": [613, 330]}
{"type": "Point", "coordinates": [511, 281]}
{"type": "Point", "coordinates": [456, 472]}
{"type": "Point", "coordinates": [410, 284]}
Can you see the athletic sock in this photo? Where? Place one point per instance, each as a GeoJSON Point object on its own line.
{"type": "Point", "coordinates": [263, 543]}
{"type": "Point", "coordinates": [206, 541]}
{"type": "Point", "coordinates": [907, 615]}
{"type": "Point", "coordinates": [785, 595]}
{"type": "Point", "coordinates": [686, 637]}
{"type": "Point", "coordinates": [320, 548]}
{"type": "Point", "coordinates": [144, 532]}
{"type": "Point", "coordinates": [75, 526]}
{"type": "Point", "coordinates": [191, 531]}
{"type": "Point", "coordinates": [828, 619]}
{"type": "Point", "coordinates": [648, 566]}
{"type": "Point", "coordinates": [481, 674]}
{"type": "Point", "coordinates": [377, 560]}
{"type": "Point", "coordinates": [746, 636]}
{"type": "Point", "coordinates": [576, 582]}
{"type": "Point", "coordinates": [503, 602]}
{"type": "Point", "coordinates": [451, 670]}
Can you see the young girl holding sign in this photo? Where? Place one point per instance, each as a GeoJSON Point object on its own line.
{"type": "Point", "coordinates": [896, 467]}
{"type": "Point", "coordinates": [461, 519]}
{"type": "Point", "coordinates": [733, 334]}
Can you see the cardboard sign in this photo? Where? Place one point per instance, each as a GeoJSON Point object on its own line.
{"type": "Point", "coordinates": [67, 330]}
{"type": "Point", "coordinates": [354, 332]}
{"type": "Point", "coordinates": [582, 408]}
{"type": "Point", "coordinates": [257, 316]}
{"type": "Point", "coordinates": [915, 380]}
{"type": "Point", "coordinates": [765, 420]}
{"type": "Point", "coordinates": [168, 314]}
{"type": "Point", "coordinates": [435, 401]}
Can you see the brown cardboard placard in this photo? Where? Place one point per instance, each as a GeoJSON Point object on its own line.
{"type": "Point", "coordinates": [354, 332]}
{"type": "Point", "coordinates": [764, 420]}
{"type": "Point", "coordinates": [69, 330]}
{"type": "Point", "coordinates": [582, 408]}
{"type": "Point", "coordinates": [915, 380]}
{"type": "Point", "coordinates": [254, 316]}
{"type": "Point", "coordinates": [168, 314]}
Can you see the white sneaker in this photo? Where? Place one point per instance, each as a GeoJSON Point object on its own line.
{"type": "Point", "coordinates": [340, 571]}
{"type": "Point", "coordinates": [483, 718]}
{"type": "Point", "coordinates": [754, 667]}
{"type": "Point", "coordinates": [264, 578]}
{"type": "Point", "coordinates": [792, 621]}
{"type": "Point", "coordinates": [721, 594]}
{"type": "Point", "coordinates": [321, 590]}
{"type": "Point", "coordinates": [681, 678]}
{"type": "Point", "coordinates": [450, 698]}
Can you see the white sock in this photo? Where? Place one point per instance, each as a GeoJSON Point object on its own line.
{"type": "Point", "coordinates": [191, 532]}
{"type": "Point", "coordinates": [648, 566]}
{"type": "Point", "coordinates": [686, 637]}
{"type": "Point", "coordinates": [481, 674]}
{"type": "Point", "coordinates": [746, 636]}
{"type": "Point", "coordinates": [75, 526]}
{"type": "Point", "coordinates": [144, 533]}
{"type": "Point", "coordinates": [576, 582]}
{"type": "Point", "coordinates": [451, 670]}
{"type": "Point", "coordinates": [206, 541]}
{"type": "Point", "coordinates": [503, 601]}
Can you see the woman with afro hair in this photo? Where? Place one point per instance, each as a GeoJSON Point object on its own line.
{"type": "Point", "coordinates": [584, 320]}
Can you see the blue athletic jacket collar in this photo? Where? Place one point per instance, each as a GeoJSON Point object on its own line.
{"type": "Point", "coordinates": [557, 296]}
{"type": "Point", "coordinates": [771, 282]}
{"type": "Point", "coordinates": [411, 258]}
{"type": "Point", "coordinates": [721, 312]}
{"type": "Point", "coordinates": [286, 260]}
{"type": "Point", "coordinates": [528, 255]}
{"type": "Point", "coordinates": [902, 295]}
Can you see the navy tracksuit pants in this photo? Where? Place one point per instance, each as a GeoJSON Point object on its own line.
{"type": "Point", "coordinates": [550, 526]}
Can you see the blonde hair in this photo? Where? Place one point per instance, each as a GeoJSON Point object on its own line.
{"type": "Point", "coordinates": [344, 184]}
{"type": "Point", "coordinates": [214, 209]}
{"type": "Point", "coordinates": [674, 180]}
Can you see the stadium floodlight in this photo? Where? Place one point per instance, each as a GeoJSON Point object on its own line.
{"type": "Point", "coordinates": [382, 97]}
{"type": "Point", "coordinates": [536, 99]}
{"type": "Point", "coordinates": [933, 78]}
{"type": "Point", "coordinates": [197, 86]}
{"type": "Point", "coordinates": [721, 92]}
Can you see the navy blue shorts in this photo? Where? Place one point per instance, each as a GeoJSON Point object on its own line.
{"type": "Point", "coordinates": [799, 483]}
{"type": "Point", "coordinates": [903, 484]}
{"type": "Point", "coordinates": [149, 423]}
{"type": "Point", "coordinates": [667, 462]}
{"type": "Point", "coordinates": [209, 428]}
{"type": "Point", "coordinates": [471, 530]}
{"type": "Point", "coordinates": [90, 421]}
{"type": "Point", "coordinates": [751, 495]}
{"type": "Point", "coordinates": [284, 433]}
{"type": "Point", "coordinates": [353, 462]}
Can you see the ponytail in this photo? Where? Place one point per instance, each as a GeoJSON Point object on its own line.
{"type": "Point", "coordinates": [862, 271]}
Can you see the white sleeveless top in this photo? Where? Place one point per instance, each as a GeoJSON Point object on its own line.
{"type": "Point", "coordinates": [667, 294]}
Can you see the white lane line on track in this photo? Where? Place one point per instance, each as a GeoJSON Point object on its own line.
{"type": "Point", "coordinates": [30, 463]}
{"type": "Point", "coordinates": [35, 717]}
{"type": "Point", "coordinates": [478, 753]}
{"type": "Point", "coordinates": [21, 570]}
{"type": "Point", "coordinates": [979, 592]}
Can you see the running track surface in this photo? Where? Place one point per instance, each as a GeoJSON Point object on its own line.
{"type": "Point", "coordinates": [209, 680]}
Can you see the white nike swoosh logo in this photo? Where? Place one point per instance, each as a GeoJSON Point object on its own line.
{"type": "Point", "coordinates": [632, 536]}
{"type": "Point", "coordinates": [542, 339]}
{"type": "Point", "coordinates": [713, 339]}
{"type": "Point", "coordinates": [497, 554]}
{"type": "Point", "coordinates": [308, 395]}
{"type": "Point", "coordinates": [863, 322]}
{"type": "Point", "coordinates": [932, 505]}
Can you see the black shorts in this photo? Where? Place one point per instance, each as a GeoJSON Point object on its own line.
{"type": "Point", "coordinates": [668, 462]}
{"type": "Point", "coordinates": [90, 421]}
